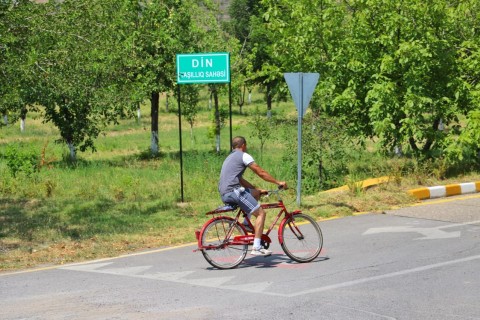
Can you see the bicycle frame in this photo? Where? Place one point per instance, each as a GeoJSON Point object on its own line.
{"type": "Point", "coordinates": [248, 238]}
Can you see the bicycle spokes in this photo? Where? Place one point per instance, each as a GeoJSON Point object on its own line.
{"type": "Point", "coordinates": [301, 238]}
{"type": "Point", "coordinates": [295, 230]}
{"type": "Point", "coordinates": [218, 245]}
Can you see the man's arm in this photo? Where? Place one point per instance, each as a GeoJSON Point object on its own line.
{"type": "Point", "coordinates": [259, 171]}
{"type": "Point", "coordinates": [246, 184]}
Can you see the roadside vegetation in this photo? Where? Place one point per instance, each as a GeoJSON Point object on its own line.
{"type": "Point", "coordinates": [120, 199]}
{"type": "Point", "coordinates": [89, 139]}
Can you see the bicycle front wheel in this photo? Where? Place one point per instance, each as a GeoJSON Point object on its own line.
{"type": "Point", "coordinates": [220, 252]}
{"type": "Point", "coordinates": [302, 238]}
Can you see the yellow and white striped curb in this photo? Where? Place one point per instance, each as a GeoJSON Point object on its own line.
{"type": "Point", "coordinates": [445, 191]}
{"type": "Point", "coordinates": [363, 184]}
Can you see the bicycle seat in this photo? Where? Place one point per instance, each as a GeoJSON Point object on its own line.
{"type": "Point", "coordinates": [226, 207]}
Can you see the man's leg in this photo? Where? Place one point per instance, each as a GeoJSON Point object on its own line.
{"type": "Point", "coordinates": [256, 194]}
{"type": "Point", "coordinates": [259, 224]}
{"type": "Point", "coordinates": [260, 215]}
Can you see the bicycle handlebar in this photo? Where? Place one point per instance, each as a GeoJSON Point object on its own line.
{"type": "Point", "coordinates": [267, 193]}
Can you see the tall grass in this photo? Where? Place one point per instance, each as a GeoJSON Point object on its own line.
{"type": "Point", "coordinates": [120, 199]}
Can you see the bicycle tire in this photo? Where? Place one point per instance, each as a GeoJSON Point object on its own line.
{"type": "Point", "coordinates": [225, 256]}
{"type": "Point", "coordinates": [297, 248]}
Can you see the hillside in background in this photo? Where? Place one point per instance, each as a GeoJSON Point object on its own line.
{"type": "Point", "coordinates": [223, 6]}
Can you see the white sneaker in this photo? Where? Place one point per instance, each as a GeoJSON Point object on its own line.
{"type": "Point", "coordinates": [260, 252]}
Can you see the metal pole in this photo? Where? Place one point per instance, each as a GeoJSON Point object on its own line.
{"type": "Point", "coordinates": [230, 108]}
{"type": "Point", "coordinates": [299, 166]}
{"type": "Point", "coordinates": [230, 102]}
{"type": "Point", "coordinates": [180, 136]}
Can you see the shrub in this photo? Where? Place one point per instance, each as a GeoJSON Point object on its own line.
{"type": "Point", "coordinates": [23, 161]}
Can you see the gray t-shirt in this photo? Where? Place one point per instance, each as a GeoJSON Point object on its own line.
{"type": "Point", "coordinates": [232, 170]}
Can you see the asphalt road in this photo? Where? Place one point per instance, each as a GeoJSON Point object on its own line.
{"type": "Point", "coordinates": [421, 262]}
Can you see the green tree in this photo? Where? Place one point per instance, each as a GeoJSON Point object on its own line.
{"type": "Point", "coordinates": [155, 32]}
{"type": "Point", "coordinates": [239, 26]}
{"type": "Point", "coordinates": [307, 33]}
{"type": "Point", "coordinates": [76, 80]}
{"type": "Point", "coordinates": [217, 40]}
{"type": "Point", "coordinates": [262, 128]}
{"type": "Point", "coordinates": [465, 148]}
{"type": "Point", "coordinates": [389, 69]}
{"type": "Point", "coordinates": [190, 96]}
{"type": "Point", "coordinates": [257, 64]}
{"type": "Point", "coordinates": [17, 85]}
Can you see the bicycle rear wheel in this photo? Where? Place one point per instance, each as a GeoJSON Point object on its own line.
{"type": "Point", "coordinates": [222, 254]}
{"type": "Point", "coordinates": [302, 238]}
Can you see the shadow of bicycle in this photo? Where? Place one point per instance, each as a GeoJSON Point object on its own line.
{"type": "Point", "coordinates": [277, 261]}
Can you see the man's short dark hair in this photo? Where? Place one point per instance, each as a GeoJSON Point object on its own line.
{"type": "Point", "coordinates": [238, 141]}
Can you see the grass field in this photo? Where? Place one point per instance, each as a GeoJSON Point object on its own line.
{"type": "Point", "coordinates": [118, 200]}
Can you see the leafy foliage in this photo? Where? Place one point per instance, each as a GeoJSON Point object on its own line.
{"type": "Point", "coordinates": [17, 34]}
{"type": "Point", "coordinates": [89, 63]}
{"type": "Point", "coordinates": [190, 97]}
{"type": "Point", "coordinates": [389, 70]}
{"type": "Point", "coordinates": [262, 128]}
{"type": "Point", "coordinates": [466, 148]}
{"type": "Point", "coordinates": [21, 161]}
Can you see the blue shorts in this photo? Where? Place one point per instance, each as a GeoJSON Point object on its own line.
{"type": "Point", "coordinates": [243, 199]}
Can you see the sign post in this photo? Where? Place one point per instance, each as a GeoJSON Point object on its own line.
{"type": "Point", "coordinates": [301, 86]}
{"type": "Point", "coordinates": [196, 68]}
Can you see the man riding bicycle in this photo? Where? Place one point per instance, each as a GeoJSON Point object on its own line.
{"type": "Point", "coordinates": [235, 189]}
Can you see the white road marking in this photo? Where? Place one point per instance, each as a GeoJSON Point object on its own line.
{"type": "Point", "coordinates": [178, 277]}
{"type": "Point", "coordinates": [169, 276]}
{"type": "Point", "coordinates": [130, 271]}
{"type": "Point", "coordinates": [384, 276]}
{"type": "Point", "coordinates": [255, 287]}
{"type": "Point", "coordinates": [211, 282]}
{"type": "Point", "coordinates": [428, 233]}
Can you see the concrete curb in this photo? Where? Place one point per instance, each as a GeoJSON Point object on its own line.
{"type": "Point", "coordinates": [363, 184]}
{"type": "Point", "coordinates": [445, 191]}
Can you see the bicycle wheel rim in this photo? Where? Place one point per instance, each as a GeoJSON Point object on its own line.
{"type": "Point", "coordinates": [225, 256]}
{"type": "Point", "coordinates": [307, 248]}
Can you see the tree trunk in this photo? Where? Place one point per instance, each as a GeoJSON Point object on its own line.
{"type": "Point", "coordinates": [73, 154]}
{"type": "Point", "coordinates": [67, 130]}
{"type": "Point", "coordinates": [154, 100]}
{"type": "Point", "coordinates": [241, 101]}
{"type": "Point", "coordinates": [23, 116]}
{"type": "Point", "coordinates": [167, 102]}
{"type": "Point", "coordinates": [320, 171]}
{"type": "Point", "coordinates": [269, 101]}
{"type": "Point", "coordinates": [430, 141]}
{"type": "Point", "coordinates": [5, 119]}
{"type": "Point", "coordinates": [139, 112]}
{"type": "Point", "coordinates": [412, 143]}
{"type": "Point", "coordinates": [398, 151]}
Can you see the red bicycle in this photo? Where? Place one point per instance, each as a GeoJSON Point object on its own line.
{"type": "Point", "coordinates": [223, 240]}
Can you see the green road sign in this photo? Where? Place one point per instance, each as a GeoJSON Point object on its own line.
{"type": "Point", "coordinates": [203, 68]}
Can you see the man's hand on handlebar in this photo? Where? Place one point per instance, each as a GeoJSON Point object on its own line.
{"type": "Point", "coordinates": [282, 185]}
